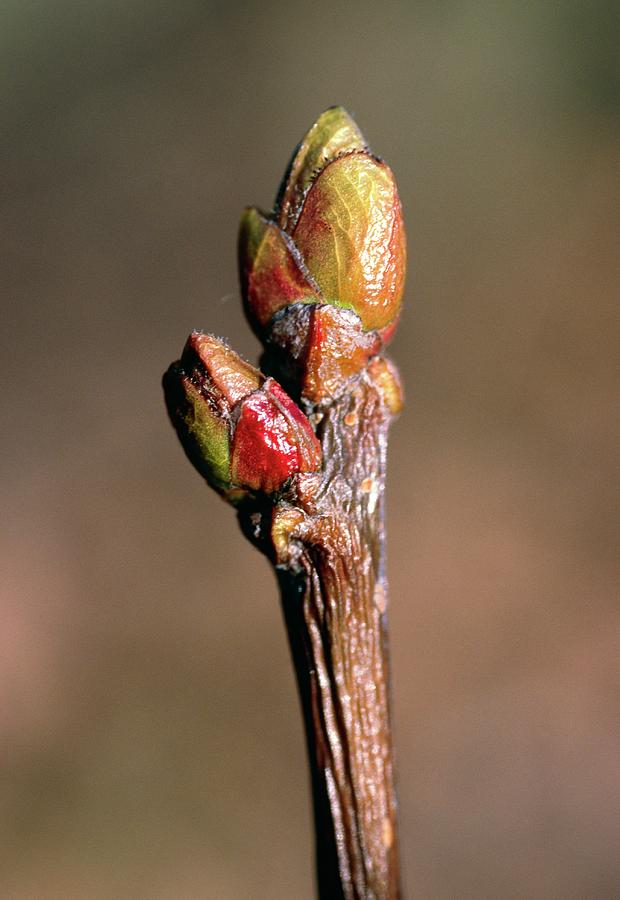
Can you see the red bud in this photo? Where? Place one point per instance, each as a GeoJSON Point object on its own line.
{"type": "Point", "coordinates": [273, 440]}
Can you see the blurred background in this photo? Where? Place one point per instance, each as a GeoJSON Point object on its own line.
{"type": "Point", "coordinates": [152, 746]}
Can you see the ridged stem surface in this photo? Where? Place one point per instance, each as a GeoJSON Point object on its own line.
{"type": "Point", "coordinates": [329, 544]}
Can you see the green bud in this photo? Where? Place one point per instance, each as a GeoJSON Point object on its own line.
{"type": "Point", "coordinates": [241, 431]}
{"type": "Point", "coordinates": [333, 134]}
{"type": "Point", "coordinates": [336, 237]}
{"type": "Point", "coordinates": [201, 391]}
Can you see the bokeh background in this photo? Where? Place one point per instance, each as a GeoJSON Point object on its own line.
{"type": "Point", "coordinates": [151, 743]}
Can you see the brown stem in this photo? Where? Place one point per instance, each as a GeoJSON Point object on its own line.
{"type": "Point", "coordinates": [327, 539]}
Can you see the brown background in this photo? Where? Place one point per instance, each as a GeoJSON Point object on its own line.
{"type": "Point", "coordinates": [151, 741]}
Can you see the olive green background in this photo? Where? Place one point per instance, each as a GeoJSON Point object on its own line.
{"type": "Point", "coordinates": [151, 742]}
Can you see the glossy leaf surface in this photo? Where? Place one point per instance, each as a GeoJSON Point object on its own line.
{"type": "Point", "coordinates": [351, 237]}
{"type": "Point", "coordinates": [333, 134]}
{"type": "Point", "coordinates": [272, 273]}
{"type": "Point", "coordinates": [273, 440]}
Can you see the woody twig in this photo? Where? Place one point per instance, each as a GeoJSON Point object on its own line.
{"type": "Point", "coordinates": [299, 449]}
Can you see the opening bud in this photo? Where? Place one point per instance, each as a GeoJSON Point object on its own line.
{"type": "Point", "coordinates": [337, 234]}
{"type": "Point", "coordinates": [241, 431]}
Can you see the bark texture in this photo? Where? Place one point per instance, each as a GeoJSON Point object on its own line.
{"type": "Point", "coordinates": [327, 540]}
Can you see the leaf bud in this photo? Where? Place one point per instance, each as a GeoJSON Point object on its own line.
{"type": "Point", "coordinates": [241, 431]}
{"type": "Point", "coordinates": [336, 236]}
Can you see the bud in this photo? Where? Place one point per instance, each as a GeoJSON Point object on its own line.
{"type": "Point", "coordinates": [350, 235]}
{"type": "Point", "coordinates": [337, 235]}
{"type": "Point", "coordinates": [273, 440]}
{"type": "Point", "coordinates": [240, 430]}
{"type": "Point", "coordinates": [385, 376]}
{"type": "Point", "coordinates": [273, 274]}
{"type": "Point", "coordinates": [322, 348]}
{"type": "Point", "coordinates": [332, 135]}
